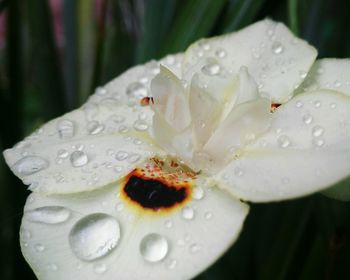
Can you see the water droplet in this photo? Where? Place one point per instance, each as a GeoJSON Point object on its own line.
{"type": "Point", "coordinates": [221, 53]}
{"type": "Point", "coordinates": [238, 171]}
{"type": "Point", "coordinates": [333, 106]}
{"type": "Point", "coordinates": [101, 91]}
{"type": "Point", "coordinates": [317, 131]}
{"type": "Point", "coordinates": [140, 125]}
{"type": "Point", "coordinates": [136, 90]}
{"type": "Point", "coordinates": [211, 69]}
{"type": "Point", "coordinates": [62, 153]}
{"type": "Point", "coordinates": [154, 247]}
{"type": "Point", "coordinates": [48, 215]}
{"type": "Point", "coordinates": [118, 118]}
{"type": "Point", "coordinates": [317, 104]}
{"type": "Point", "coordinates": [25, 234]}
{"type": "Point", "coordinates": [168, 224]}
{"type": "Point", "coordinates": [121, 155]}
{"type": "Point", "coordinates": [94, 127]}
{"type": "Point", "coordinates": [53, 267]}
{"type": "Point", "coordinates": [208, 215]}
{"type": "Point", "coordinates": [303, 74]}
{"type": "Point", "coordinates": [318, 142]}
{"type": "Point", "coordinates": [39, 247]}
{"type": "Point", "coordinates": [94, 236]}
{"type": "Point", "coordinates": [119, 207]}
{"type": "Point", "coordinates": [283, 141]}
{"type": "Point", "coordinates": [123, 129]}
{"type": "Point", "coordinates": [194, 248]}
{"type": "Point", "coordinates": [277, 47]}
{"type": "Point", "coordinates": [100, 268]}
{"type": "Point", "coordinates": [187, 213]}
{"type": "Point", "coordinates": [337, 83]}
{"type": "Point", "coordinates": [78, 159]}
{"type": "Point", "coordinates": [198, 193]}
{"type": "Point", "coordinates": [307, 119]}
{"type": "Point", "coordinates": [299, 104]}
{"type": "Point", "coordinates": [171, 264]}
{"type": "Point", "coordinates": [29, 165]}
{"type": "Point", "coordinates": [65, 129]}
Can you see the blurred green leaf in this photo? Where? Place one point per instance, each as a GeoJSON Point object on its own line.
{"type": "Point", "coordinates": [293, 16]}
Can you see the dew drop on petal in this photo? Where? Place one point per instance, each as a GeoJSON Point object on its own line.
{"type": "Point", "coordinates": [317, 104]}
{"type": "Point", "coordinates": [48, 215]}
{"type": "Point", "coordinates": [299, 104]}
{"type": "Point", "coordinates": [277, 47]}
{"type": "Point", "coordinates": [221, 53]}
{"type": "Point", "coordinates": [211, 69]}
{"type": "Point", "coordinates": [317, 131]}
{"type": "Point", "coordinates": [187, 213]}
{"type": "Point", "coordinates": [121, 155]}
{"type": "Point", "coordinates": [140, 125]}
{"type": "Point", "coordinates": [94, 127]}
{"type": "Point", "coordinates": [195, 248]}
{"type": "Point", "coordinates": [78, 158]}
{"type": "Point", "coordinates": [307, 119]}
{"type": "Point", "coordinates": [168, 224]}
{"type": "Point", "coordinates": [62, 153]}
{"type": "Point", "coordinates": [333, 106]}
{"type": "Point", "coordinates": [53, 267]}
{"type": "Point", "coordinates": [318, 142]}
{"type": "Point", "coordinates": [94, 236]}
{"type": "Point", "coordinates": [65, 129]}
{"type": "Point", "coordinates": [171, 264]}
{"type": "Point", "coordinates": [198, 193]}
{"type": "Point", "coordinates": [283, 141]}
{"type": "Point", "coordinates": [25, 234]}
{"type": "Point", "coordinates": [39, 247]}
{"type": "Point", "coordinates": [154, 247]}
{"type": "Point", "coordinates": [238, 171]}
{"type": "Point", "coordinates": [29, 165]}
{"type": "Point", "coordinates": [100, 268]}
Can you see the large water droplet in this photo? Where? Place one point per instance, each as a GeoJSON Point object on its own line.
{"type": "Point", "coordinates": [136, 90]}
{"type": "Point", "coordinates": [94, 236]}
{"type": "Point", "coordinates": [277, 47]}
{"type": "Point", "coordinates": [48, 215]}
{"type": "Point", "coordinates": [211, 69]}
{"type": "Point", "coordinates": [29, 165]}
{"type": "Point", "coordinates": [187, 213]}
{"type": "Point", "coordinates": [317, 131]}
{"type": "Point", "coordinates": [78, 158]}
{"type": "Point", "coordinates": [154, 247]}
{"type": "Point", "coordinates": [65, 129]}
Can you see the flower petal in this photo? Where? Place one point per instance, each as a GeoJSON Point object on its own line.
{"type": "Point", "coordinates": [96, 235]}
{"type": "Point", "coordinates": [305, 150]}
{"type": "Point", "coordinates": [276, 59]}
{"type": "Point", "coordinates": [329, 73]}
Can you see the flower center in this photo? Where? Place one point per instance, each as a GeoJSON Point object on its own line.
{"type": "Point", "coordinates": [159, 185]}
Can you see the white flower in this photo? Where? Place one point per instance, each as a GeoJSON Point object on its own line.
{"type": "Point", "coordinates": [145, 181]}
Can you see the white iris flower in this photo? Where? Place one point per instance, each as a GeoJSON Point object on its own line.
{"type": "Point", "coordinates": [147, 180]}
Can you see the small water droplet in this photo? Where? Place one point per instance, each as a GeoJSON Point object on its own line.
{"type": "Point", "coordinates": [100, 268]}
{"type": "Point", "coordinates": [94, 236]}
{"type": "Point", "coordinates": [211, 69]}
{"type": "Point", "coordinates": [136, 90]}
{"type": "Point", "coordinates": [198, 193]}
{"type": "Point", "coordinates": [62, 153]}
{"type": "Point", "coordinates": [303, 74]}
{"type": "Point", "coordinates": [208, 215]}
{"type": "Point", "coordinates": [283, 141]}
{"type": "Point", "coordinates": [29, 165]}
{"type": "Point", "coordinates": [317, 104]}
{"type": "Point", "coordinates": [39, 247]}
{"type": "Point", "coordinates": [121, 155]}
{"type": "Point", "coordinates": [238, 171]}
{"type": "Point", "coordinates": [154, 247]}
{"type": "Point", "coordinates": [187, 213]}
{"type": "Point", "coordinates": [299, 104]}
{"type": "Point", "coordinates": [171, 264]}
{"type": "Point", "coordinates": [337, 84]}
{"type": "Point", "coordinates": [140, 125]}
{"type": "Point", "coordinates": [195, 248]}
{"type": "Point", "coordinates": [307, 119]}
{"type": "Point", "coordinates": [25, 234]}
{"type": "Point", "coordinates": [65, 129]}
{"type": "Point", "coordinates": [221, 53]}
{"type": "Point", "coordinates": [318, 142]}
{"type": "Point", "coordinates": [118, 169]}
{"type": "Point", "coordinates": [78, 158]}
{"type": "Point", "coordinates": [317, 131]}
{"type": "Point", "coordinates": [333, 106]}
{"type": "Point", "coordinates": [277, 47]}
{"type": "Point", "coordinates": [48, 214]}
{"type": "Point", "coordinates": [119, 207]}
{"type": "Point", "coordinates": [168, 224]}
{"type": "Point", "coordinates": [53, 267]}
{"type": "Point", "coordinates": [134, 158]}
{"type": "Point", "coordinates": [101, 91]}
{"type": "Point", "coordinates": [94, 127]}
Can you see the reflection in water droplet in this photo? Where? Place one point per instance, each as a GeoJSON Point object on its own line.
{"type": "Point", "coordinates": [94, 236]}
{"type": "Point", "coordinates": [65, 129]}
{"type": "Point", "coordinates": [78, 158]}
{"type": "Point", "coordinates": [29, 165]}
{"type": "Point", "coordinates": [48, 215]}
{"type": "Point", "coordinates": [154, 247]}
{"type": "Point", "coordinates": [94, 127]}
{"type": "Point", "coordinates": [62, 153]}
{"type": "Point", "coordinates": [187, 213]}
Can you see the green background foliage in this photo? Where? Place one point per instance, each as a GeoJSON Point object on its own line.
{"type": "Point", "coordinates": [43, 76]}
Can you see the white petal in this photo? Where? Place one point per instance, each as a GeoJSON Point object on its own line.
{"type": "Point", "coordinates": [183, 246]}
{"type": "Point", "coordinates": [305, 150]}
{"type": "Point", "coordinates": [106, 137]}
{"type": "Point", "coordinates": [170, 100]}
{"type": "Point", "coordinates": [329, 73]}
{"type": "Point", "coordinates": [276, 59]}
{"type": "Point", "coordinates": [245, 122]}
{"type": "Point", "coordinates": [78, 152]}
